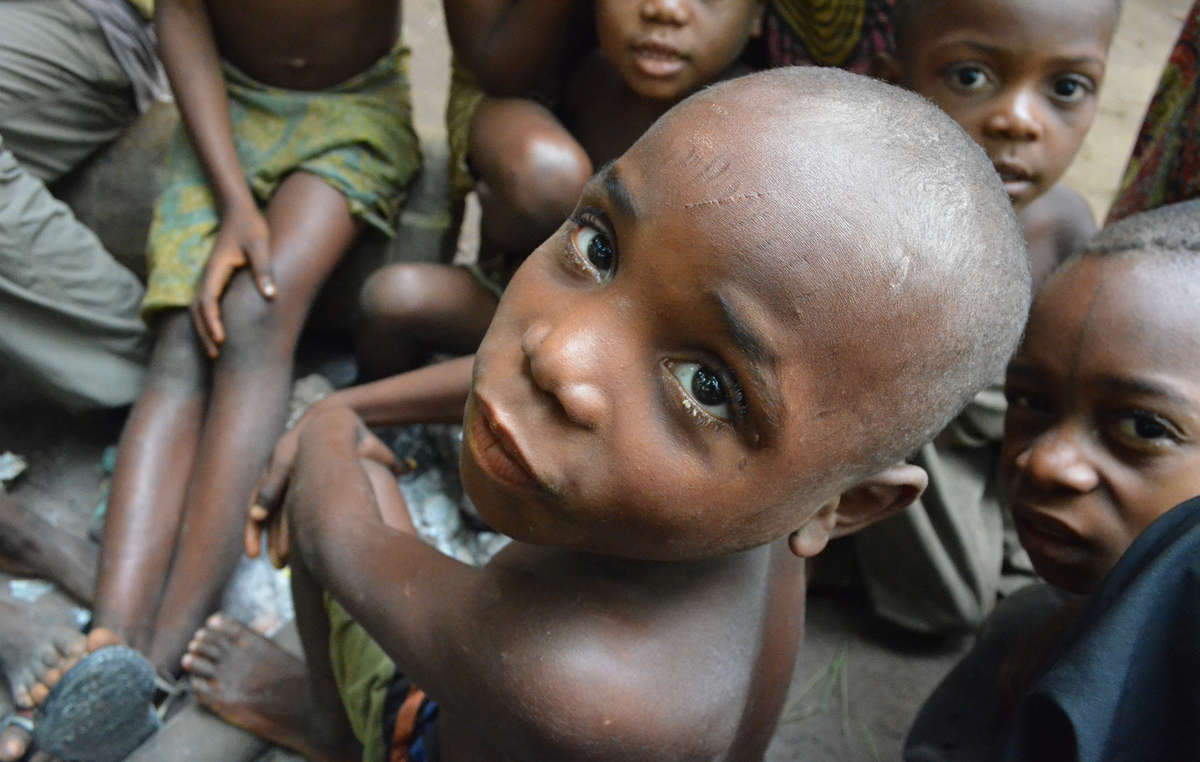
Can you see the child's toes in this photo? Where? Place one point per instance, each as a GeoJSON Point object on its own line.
{"type": "Point", "coordinates": [101, 638]}
{"type": "Point", "coordinates": [198, 666]}
{"type": "Point", "coordinates": [14, 742]}
{"type": "Point", "coordinates": [38, 693]}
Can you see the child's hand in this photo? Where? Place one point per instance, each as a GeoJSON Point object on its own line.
{"type": "Point", "coordinates": [267, 514]}
{"type": "Point", "coordinates": [243, 238]}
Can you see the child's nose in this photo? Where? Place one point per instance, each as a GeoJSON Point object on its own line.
{"type": "Point", "coordinates": [666, 11]}
{"type": "Point", "coordinates": [1057, 460]}
{"type": "Point", "coordinates": [564, 361]}
{"type": "Point", "coordinates": [1016, 117]}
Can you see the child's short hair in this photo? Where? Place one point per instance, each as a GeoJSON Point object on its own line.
{"type": "Point", "coordinates": [907, 12]}
{"type": "Point", "coordinates": [1169, 231]}
{"type": "Point", "coordinates": [929, 212]}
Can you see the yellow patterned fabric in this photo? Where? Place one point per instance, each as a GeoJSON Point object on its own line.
{"type": "Point", "coordinates": [463, 100]}
{"type": "Point", "coordinates": [829, 29]}
{"type": "Point", "coordinates": [357, 136]}
{"type": "Point", "coordinates": [144, 7]}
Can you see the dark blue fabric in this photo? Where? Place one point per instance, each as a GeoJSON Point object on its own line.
{"type": "Point", "coordinates": [1126, 682]}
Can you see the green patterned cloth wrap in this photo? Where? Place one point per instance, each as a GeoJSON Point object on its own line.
{"type": "Point", "coordinates": [362, 672]}
{"type": "Point", "coordinates": [356, 136]}
{"type": "Point", "coordinates": [144, 7]}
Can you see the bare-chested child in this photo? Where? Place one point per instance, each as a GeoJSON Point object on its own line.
{"type": "Point", "coordinates": [531, 155]}
{"type": "Point", "coordinates": [717, 363]}
{"type": "Point", "coordinates": [297, 136]}
{"type": "Point", "coordinates": [1023, 79]}
{"type": "Point", "coordinates": [1102, 438]}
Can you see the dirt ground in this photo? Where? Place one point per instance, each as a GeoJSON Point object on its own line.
{"type": "Point", "coordinates": [856, 687]}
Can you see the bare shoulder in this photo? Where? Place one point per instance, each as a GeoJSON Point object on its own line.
{"type": "Point", "coordinates": [639, 665]}
{"type": "Point", "coordinates": [1056, 225]}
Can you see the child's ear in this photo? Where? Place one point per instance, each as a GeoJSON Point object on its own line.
{"type": "Point", "coordinates": [886, 66]}
{"type": "Point", "coordinates": [887, 492]}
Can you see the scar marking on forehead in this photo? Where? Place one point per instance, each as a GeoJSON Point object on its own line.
{"type": "Point", "coordinates": [738, 198]}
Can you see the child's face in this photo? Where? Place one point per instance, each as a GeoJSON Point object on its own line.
{"type": "Point", "coordinates": [658, 382]}
{"type": "Point", "coordinates": [665, 49]}
{"type": "Point", "coordinates": [1103, 428]}
{"type": "Point", "coordinates": [1020, 76]}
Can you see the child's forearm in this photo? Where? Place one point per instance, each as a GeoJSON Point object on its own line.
{"type": "Point", "coordinates": [190, 58]}
{"type": "Point", "coordinates": [507, 43]}
{"type": "Point", "coordinates": [433, 394]}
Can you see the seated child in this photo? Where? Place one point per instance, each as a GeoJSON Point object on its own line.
{"type": "Point", "coordinates": [532, 155]}
{"type": "Point", "coordinates": [298, 136]}
{"type": "Point", "coordinates": [718, 361]}
{"type": "Point", "coordinates": [1100, 441]}
{"type": "Point", "coordinates": [1021, 77]}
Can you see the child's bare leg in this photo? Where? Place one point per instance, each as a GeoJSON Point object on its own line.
{"type": "Point", "coordinates": [311, 228]}
{"type": "Point", "coordinates": [531, 171]}
{"type": "Point", "coordinates": [412, 310]}
{"type": "Point", "coordinates": [145, 505]}
{"type": "Point", "coordinates": [33, 656]}
{"type": "Point", "coordinates": [251, 682]}
{"type": "Point", "coordinates": [32, 546]}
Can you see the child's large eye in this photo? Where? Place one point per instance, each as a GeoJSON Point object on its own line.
{"type": "Point", "coordinates": [705, 392]}
{"type": "Point", "coordinates": [595, 246]}
{"type": "Point", "coordinates": [967, 77]}
{"type": "Point", "coordinates": [1142, 427]}
{"type": "Point", "coordinates": [1071, 88]}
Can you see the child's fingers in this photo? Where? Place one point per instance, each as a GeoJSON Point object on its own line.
{"type": "Point", "coordinates": [273, 484]}
{"type": "Point", "coordinates": [252, 535]}
{"type": "Point", "coordinates": [201, 327]}
{"type": "Point", "coordinates": [278, 542]}
{"type": "Point", "coordinates": [258, 252]}
{"type": "Point", "coordinates": [369, 446]}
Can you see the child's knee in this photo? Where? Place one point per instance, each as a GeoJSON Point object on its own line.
{"type": "Point", "coordinates": [252, 322]}
{"type": "Point", "coordinates": [542, 179]}
{"type": "Point", "coordinates": [394, 292]}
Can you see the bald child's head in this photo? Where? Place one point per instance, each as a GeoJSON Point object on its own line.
{"type": "Point", "coordinates": [783, 288]}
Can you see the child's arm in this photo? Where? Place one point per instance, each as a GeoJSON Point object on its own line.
{"type": "Point", "coordinates": [507, 43]}
{"type": "Point", "coordinates": [432, 394]}
{"type": "Point", "coordinates": [547, 661]}
{"type": "Point", "coordinates": [190, 57]}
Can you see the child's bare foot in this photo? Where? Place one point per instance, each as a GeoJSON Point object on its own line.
{"type": "Point", "coordinates": [33, 658]}
{"type": "Point", "coordinates": [251, 682]}
{"type": "Point", "coordinates": [30, 545]}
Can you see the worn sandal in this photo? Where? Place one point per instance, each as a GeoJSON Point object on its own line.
{"type": "Point", "coordinates": [101, 710]}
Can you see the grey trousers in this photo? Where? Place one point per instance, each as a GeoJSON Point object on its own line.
{"type": "Point", "coordinates": [938, 566]}
{"type": "Point", "coordinates": [68, 311]}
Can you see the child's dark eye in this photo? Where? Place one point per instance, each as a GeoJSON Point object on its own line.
{"type": "Point", "coordinates": [1072, 88]}
{"type": "Point", "coordinates": [705, 393]}
{"type": "Point", "coordinates": [1022, 400]}
{"type": "Point", "coordinates": [1143, 426]}
{"type": "Point", "coordinates": [594, 245]}
{"type": "Point", "coordinates": [967, 77]}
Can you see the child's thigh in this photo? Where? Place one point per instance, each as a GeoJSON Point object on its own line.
{"type": "Point", "coordinates": [311, 229]}
{"type": "Point", "coordinates": [516, 143]}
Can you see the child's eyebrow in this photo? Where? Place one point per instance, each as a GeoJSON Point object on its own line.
{"type": "Point", "coordinates": [1145, 387]}
{"type": "Point", "coordinates": [760, 360]}
{"type": "Point", "coordinates": [610, 180]}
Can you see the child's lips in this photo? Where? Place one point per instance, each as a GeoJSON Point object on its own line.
{"type": "Point", "coordinates": [658, 59]}
{"type": "Point", "coordinates": [496, 451]}
{"type": "Point", "coordinates": [1045, 535]}
{"type": "Point", "coordinates": [1017, 178]}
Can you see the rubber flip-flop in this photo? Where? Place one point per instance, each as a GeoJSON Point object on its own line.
{"type": "Point", "coordinates": [101, 710]}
